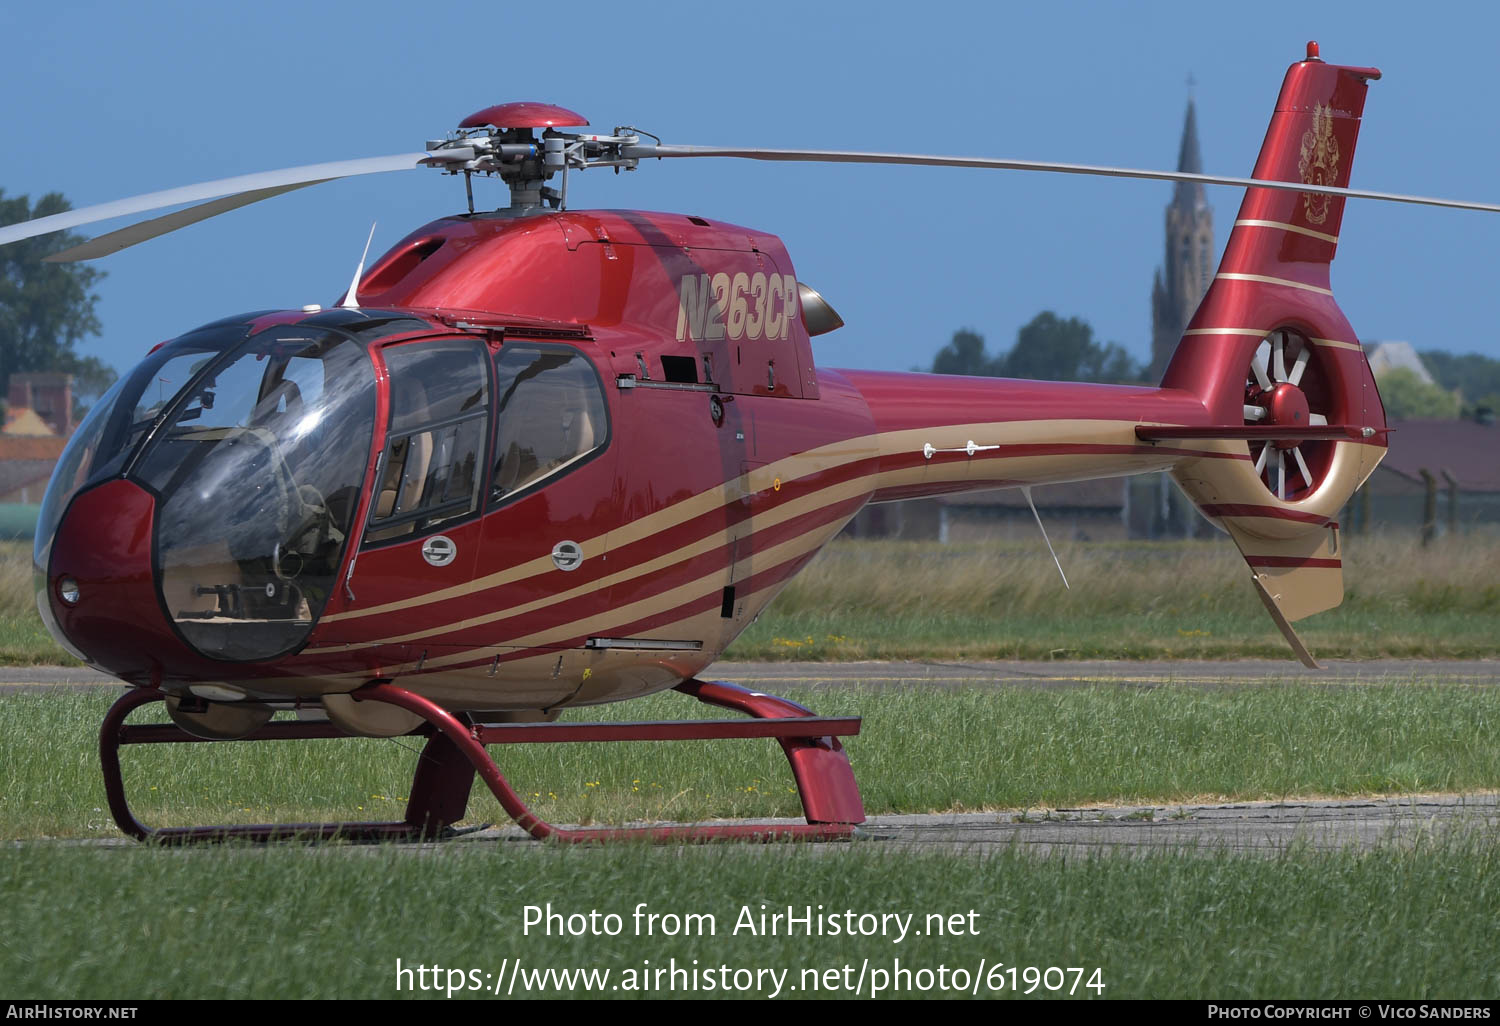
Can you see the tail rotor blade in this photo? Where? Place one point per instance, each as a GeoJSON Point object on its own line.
{"type": "Point", "coordinates": [1260, 363]}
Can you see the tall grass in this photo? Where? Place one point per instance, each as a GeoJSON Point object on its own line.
{"type": "Point", "coordinates": [23, 639]}
{"type": "Point", "coordinates": [896, 577]}
{"type": "Point", "coordinates": [894, 599]}
{"type": "Point", "coordinates": [15, 579]}
{"type": "Point", "coordinates": [1181, 599]}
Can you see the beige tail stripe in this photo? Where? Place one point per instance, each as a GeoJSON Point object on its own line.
{"type": "Point", "coordinates": [1263, 332]}
{"type": "Point", "coordinates": [1250, 223]}
{"type": "Point", "coordinates": [1257, 332]}
{"type": "Point", "coordinates": [1266, 279]}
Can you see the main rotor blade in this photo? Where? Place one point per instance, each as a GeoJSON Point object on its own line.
{"type": "Point", "coordinates": [647, 150]}
{"type": "Point", "coordinates": [143, 231]}
{"type": "Point", "coordinates": [262, 184]}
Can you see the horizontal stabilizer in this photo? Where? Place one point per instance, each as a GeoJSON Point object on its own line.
{"type": "Point", "coordinates": [1261, 432]}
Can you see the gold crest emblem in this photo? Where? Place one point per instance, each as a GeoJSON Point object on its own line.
{"type": "Point", "coordinates": [1319, 162]}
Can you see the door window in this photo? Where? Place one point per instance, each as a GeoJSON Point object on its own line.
{"type": "Point", "coordinates": [550, 416]}
{"type": "Point", "coordinates": [430, 473]}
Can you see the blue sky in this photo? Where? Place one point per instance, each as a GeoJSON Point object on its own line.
{"type": "Point", "coordinates": [105, 100]}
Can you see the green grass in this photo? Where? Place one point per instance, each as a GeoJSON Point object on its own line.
{"type": "Point", "coordinates": [920, 751]}
{"type": "Point", "coordinates": [331, 923]}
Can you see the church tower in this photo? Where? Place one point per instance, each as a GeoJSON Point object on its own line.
{"type": "Point", "coordinates": [1183, 279]}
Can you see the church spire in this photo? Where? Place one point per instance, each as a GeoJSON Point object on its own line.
{"type": "Point", "coordinates": [1189, 195]}
{"type": "Point", "coordinates": [1187, 266]}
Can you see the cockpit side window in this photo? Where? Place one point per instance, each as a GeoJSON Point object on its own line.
{"type": "Point", "coordinates": [550, 416]}
{"type": "Point", "coordinates": [431, 470]}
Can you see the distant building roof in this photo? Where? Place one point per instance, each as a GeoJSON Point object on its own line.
{"type": "Point", "coordinates": [25, 421]}
{"type": "Point", "coordinates": [1465, 449]}
{"type": "Point", "coordinates": [31, 447]}
{"type": "Point", "coordinates": [1388, 356]}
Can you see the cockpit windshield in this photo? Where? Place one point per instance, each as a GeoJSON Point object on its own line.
{"type": "Point", "coordinates": [115, 426]}
{"type": "Point", "coordinates": [258, 464]}
{"type": "Point", "coordinates": [256, 449]}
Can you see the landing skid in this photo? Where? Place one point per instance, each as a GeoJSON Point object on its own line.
{"type": "Point", "coordinates": [456, 751]}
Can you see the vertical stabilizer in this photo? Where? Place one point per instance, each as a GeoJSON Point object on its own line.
{"type": "Point", "coordinates": [1269, 348]}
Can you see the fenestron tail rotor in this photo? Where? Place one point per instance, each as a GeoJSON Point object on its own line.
{"type": "Point", "coordinates": [1282, 388]}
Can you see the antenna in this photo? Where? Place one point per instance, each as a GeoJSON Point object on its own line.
{"type": "Point", "coordinates": [1026, 491]}
{"type": "Point", "coordinates": [351, 301]}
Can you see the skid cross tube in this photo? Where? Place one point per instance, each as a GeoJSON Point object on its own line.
{"type": "Point", "coordinates": [456, 750]}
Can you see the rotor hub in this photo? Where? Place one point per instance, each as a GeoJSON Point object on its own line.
{"type": "Point", "coordinates": [1286, 406]}
{"type": "Point", "coordinates": [520, 143]}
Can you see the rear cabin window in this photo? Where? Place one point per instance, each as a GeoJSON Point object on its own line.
{"type": "Point", "coordinates": [431, 470]}
{"type": "Point", "coordinates": [549, 416]}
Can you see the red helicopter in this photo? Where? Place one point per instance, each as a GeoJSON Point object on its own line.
{"type": "Point", "coordinates": [538, 458]}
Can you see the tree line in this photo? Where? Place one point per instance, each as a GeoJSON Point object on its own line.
{"type": "Point", "coordinates": [1048, 347]}
{"type": "Point", "coordinates": [46, 310]}
{"type": "Point", "coordinates": [1052, 348]}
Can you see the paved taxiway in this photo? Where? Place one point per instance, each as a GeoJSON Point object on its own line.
{"type": "Point", "coordinates": [1255, 828]}
{"type": "Point", "coordinates": [770, 676]}
{"type": "Point", "coordinates": [1248, 827]}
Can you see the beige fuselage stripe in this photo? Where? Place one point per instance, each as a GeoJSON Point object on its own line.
{"type": "Point", "coordinates": [1266, 279]}
{"type": "Point", "coordinates": [654, 605]}
{"type": "Point", "coordinates": [806, 504]}
{"type": "Point", "coordinates": [1250, 223]}
{"type": "Point", "coordinates": [1337, 344]}
{"type": "Point", "coordinates": [823, 498]}
{"type": "Point", "coordinates": [790, 468]}
{"type": "Point", "coordinates": [647, 607]}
